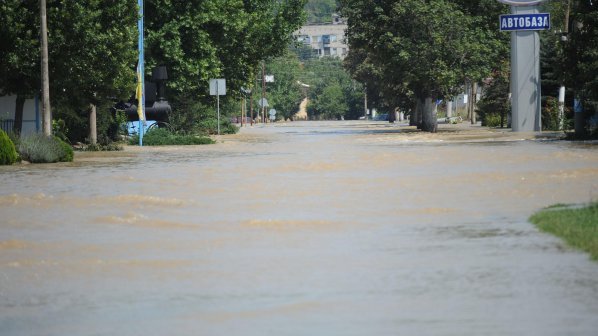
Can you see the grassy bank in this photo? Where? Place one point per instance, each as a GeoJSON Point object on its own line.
{"type": "Point", "coordinates": [577, 226]}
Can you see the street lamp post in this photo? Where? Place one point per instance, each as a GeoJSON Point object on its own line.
{"type": "Point", "coordinates": [141, 75]}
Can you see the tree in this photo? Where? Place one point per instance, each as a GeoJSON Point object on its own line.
{"type": "Point", "coordinates": [421, 48]}
{"type": "Point", "coordinates": [332, 92]}
{"type": "Point", "coordinates": [91, 47]}
{"type": "Point", "coordinates": [284, 94]}
{"type": "Point", "coordinates": [580, 58]}
{"type": "Point", "coordinates": [320, 11]}
{"type": "Point", "coordinates": [198, 40]}
{"type": "Point", "coordinates": [19, 52]}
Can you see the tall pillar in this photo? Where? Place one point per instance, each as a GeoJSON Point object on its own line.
{"type": "Point", "coordinates": [525, 76]}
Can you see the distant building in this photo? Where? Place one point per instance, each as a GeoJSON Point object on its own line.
{"type": "Point", "coordinates": [325, 39]}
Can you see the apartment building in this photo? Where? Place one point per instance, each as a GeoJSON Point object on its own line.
{"type": "Point", "coordinates": [325, 39]}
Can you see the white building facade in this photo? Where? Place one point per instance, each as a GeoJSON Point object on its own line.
{"type": "Point", "coordinates": [325, 39]}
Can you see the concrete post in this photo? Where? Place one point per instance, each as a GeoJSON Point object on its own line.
{"type": "Point", "coordinates": [93, 130]}
{"type": "Point", "coordinates": [525, 76]}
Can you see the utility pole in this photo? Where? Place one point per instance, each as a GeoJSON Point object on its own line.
{"type": "Point", "coordinates": [562, 88]}
{"type": "Point", "coordinates": [46, 112]}
{"type": "Point", "coordinates": [365, 103]}
{"type": "Point", "coordinates": [263, 91]}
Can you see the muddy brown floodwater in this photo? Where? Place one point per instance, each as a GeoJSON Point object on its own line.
{"type": "Point", "coordinates": [346, 228]}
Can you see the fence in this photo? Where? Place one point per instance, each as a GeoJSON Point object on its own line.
{"type": "Point", "coordinates": [7, 125]}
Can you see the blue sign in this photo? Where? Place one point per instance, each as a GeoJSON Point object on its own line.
{"type": "Point", "coordinates": [516, 22]}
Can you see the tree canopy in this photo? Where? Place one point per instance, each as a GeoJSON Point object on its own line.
{"type": "Point", "coordinates": [420, 49]}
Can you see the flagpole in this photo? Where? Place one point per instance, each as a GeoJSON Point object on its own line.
{"type": "Point", "coordinates": [141, 74]}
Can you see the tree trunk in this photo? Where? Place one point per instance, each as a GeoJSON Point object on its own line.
{"type": "Point", "coordinates": [392, 116]}
{"type": "Point", "coordinates": [93, 131]}
{"type": "Point", "coordinates": [416, 118]}
{"type": "Point", "coordinates": [429, 116]}
{"type": "Point", "coordinates": [46, 112]}
{"type": "Point", "coordinates": [17, 127]}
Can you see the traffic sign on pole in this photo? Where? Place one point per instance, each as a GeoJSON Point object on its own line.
{"type": "Point", "coordinates": [218, 88]}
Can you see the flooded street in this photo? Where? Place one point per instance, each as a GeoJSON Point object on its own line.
{"type": "Point", "coordinates": [305, 228]}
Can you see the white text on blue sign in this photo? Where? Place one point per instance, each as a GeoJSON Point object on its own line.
{"type": "Point", "coordinates": [514, 22]}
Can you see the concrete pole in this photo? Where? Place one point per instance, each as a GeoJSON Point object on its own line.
{"type": "Point", "coordinates": [449, 109]}
{"type": "Point", "coordinates": [46, 111]}
{"type": "Point", "coordinates": [93, 131]}
{"type": "Point", "coordinates": [561, 107]}
{"type": "Point", "coordinates": [525, 76]}
{"type": "Point", "coordinates": [365, 103]}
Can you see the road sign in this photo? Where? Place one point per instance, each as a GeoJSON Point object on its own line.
{"type": "Point", "coordinates": [263, 102]}
{"type": "Point", "coordinates": [521, 2]}
{"type": "Point", "coordinates": [217, 87]}
{"type": "Point", "coordinates": [519, 22]}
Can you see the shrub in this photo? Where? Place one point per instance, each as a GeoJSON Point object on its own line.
{"type": "Point", "coordinates": [551, 119]}
{"type": "Point", "coordinates": [210, 126]}
{"type": "Point", "coordinates": [68, 153]}
{"type": "Point", "coordinates": [163, 137]}
{"type": "Point", "coordinates": [8, 153]}
{"type": "Point", "coordinates": [99, 147]}
{"type": "Point", "coordinates": [38, 148]}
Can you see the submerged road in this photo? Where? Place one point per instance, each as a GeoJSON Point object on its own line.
{"type": "Point", "coordinates": [345, 228]}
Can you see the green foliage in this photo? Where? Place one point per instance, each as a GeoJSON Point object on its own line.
{"type": "Point", "coordinates": [210, 126]}
{"type": "Point", "coordinates": [193, 117]}
{"type": "Point", "coordinates": [398, 49]}
{"type": "Point", "coordinates": [332, 94]}
{"type": "Point", "coordinates": [59, 129]}
{"type": "Point", "coordinates": [580, 68]}
{"type": "Point", "coordinates": [198, 40]}
{"type": "Point", "coordinates": [120, 119]}
{"type": "Point", "coordinates": [38, 148]}
{"type": "Point", "coordinates": [92, 55]}
{"type": "Point", "coordinates": [284, 94]}
{"type": "Point", "coordinates": [320, 11]}
{"type": "Point", "coordinates": [8, 153]}
{"type": "Point", "coordinates": [163, 137]}
{"type": "Point", "coordinates": [550, 115]}
{"type": "Point", "coordinates": [99, 147]}
{"type": "Point", "coordinates": [67, 150]}
{"type": "Point", "coordinates": [577, 226]}
{"type": "Point", "coordinates": [330, 104]}
{"type": "Point", "coordinates": [495, 106]}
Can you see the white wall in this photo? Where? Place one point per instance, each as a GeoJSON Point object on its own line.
{"type": "Point", "coordinates": [7, 111]}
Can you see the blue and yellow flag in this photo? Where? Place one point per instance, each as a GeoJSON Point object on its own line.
{"type": "Point", "coordinates": [139, 96]}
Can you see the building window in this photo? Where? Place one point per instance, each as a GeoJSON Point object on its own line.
{"type": "Point", "coordinates": [332, 38]}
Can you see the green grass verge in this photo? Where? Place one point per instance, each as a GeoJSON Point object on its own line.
{"type": "Point", "coordinates": [577, 226]}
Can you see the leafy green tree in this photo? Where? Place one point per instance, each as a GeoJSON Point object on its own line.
{"type": "Point", "coordinates": [420, 49]}
{"type": "Point", "coordinates": [330, 104]}
{"type": "Point", "coordinates": [320, 11]}
{"type": "Point", "coordinates": [582, 48]}
{"type": "Point", "coordinates": [285, 93]}
{"type": "Point", "coordinates": [198, 40]}
{"type": "Point", "coordinates": [19, 53]}
{"type": "Point", "coordinates": [91, 51]}
{"type": "Point", "coordinates": [329, 80]}
{"type": "Point", "coordinates": [495, 106]}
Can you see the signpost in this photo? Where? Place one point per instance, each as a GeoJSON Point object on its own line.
{"type": "Point", "coordinates": [524, 23]}
{"type": "Point", "coordinates": [218, 88]}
